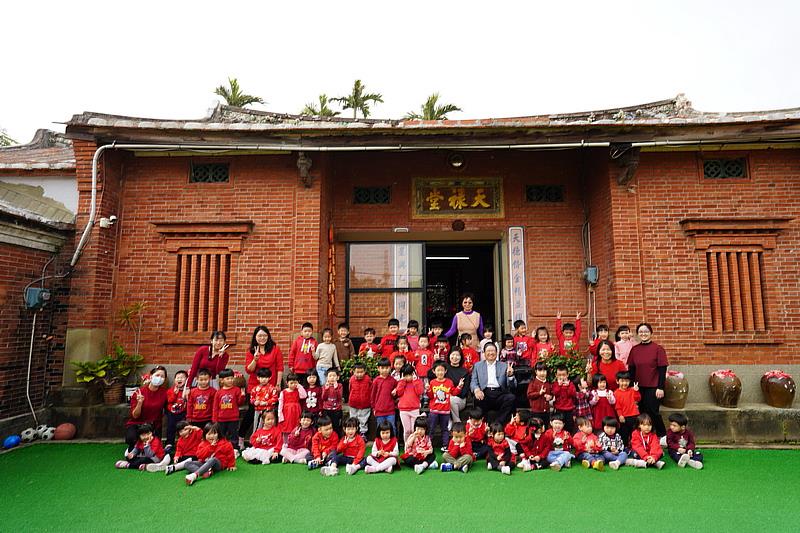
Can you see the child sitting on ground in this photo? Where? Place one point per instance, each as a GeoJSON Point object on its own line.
{"type": "Point", "coordinates": [418, 450]}
{"type": "Point", "coordinates": [384, 451]}
{"type": "Point", "coordinates": [298, 443]}
{"type": "Point", "coordinates": [611, 444]}
{"type": "Point", "coordinates": [557, 444]}
{"type": "Point", "coordinates": [323, 444]}
{"type": "Point", "coordinates": [459, 452]}
{"type": "Point", "coordinates": [680, 442]}
{"type": "Point", "coordinates": [349, 451]}
{"type": "Point", "coordinates": [645, 444]}
{"type": "Point", "coordinates": [189, 438]}
{"type": "Point", "coordinates": [477, 433]}
{"type": "Point", "coordinates": [265, 442]}
{"type": "Point", "coordinates": [533, 449]}
{"type": "Point", "coordinates": [502, 453]}
{"type": "Point", "coordinates": [148, 450]}
{"type": "Point", "coordinates": [587, 445]}
{"type": "Point", "coordinates": [517, 429]}
{"type": "Point", "coordinates": [214, 454]}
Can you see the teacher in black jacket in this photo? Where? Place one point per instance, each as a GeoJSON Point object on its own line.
{"type": "Point", "coordinates": [492, 381]}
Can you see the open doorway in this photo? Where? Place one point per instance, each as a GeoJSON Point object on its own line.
{"type": "Point", "coordinates": [453, 269]}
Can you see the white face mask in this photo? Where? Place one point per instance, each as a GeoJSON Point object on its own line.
{"type": "Point", "coordinates": [157, 380]}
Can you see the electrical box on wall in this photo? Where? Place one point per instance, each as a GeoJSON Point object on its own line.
{"type": "Point", "coordinates": [591, 274]}
{"type": "Point", "coordinates": [36, 298]}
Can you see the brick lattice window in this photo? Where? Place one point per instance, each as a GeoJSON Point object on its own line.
{"type": "Point", "coordinates": [202, 292]}
{"type": "Point", "coordinates": [725, 168]}
{"type": "Point", "coordinates": [209, 173]}
{"type": "Point", "coordinates": [544, 193]}
{"type": "Point", "coordinates": [735, 282]}
{"type": "Point", "coordinates": [371, 195]}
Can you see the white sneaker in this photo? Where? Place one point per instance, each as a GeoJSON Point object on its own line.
{"type": "Point", "coordinates": [465, 468]}
{"type": "Point", "coordinates": [506, 470]}
{"type": "Point", "coordinates": [630, 462]}
{"type": "Point", "coordinates": [525, 465]}
{"type": "Point", "coordinates": [350, 469]}
{"type": "Point", "coordinates": [419, 469]}
{"type": "Point", "coordinates": [156, 467]}
{"type": "Point", "coordinates": [121, 464]}
{"type": "Point", "coordinates": [641, 463]}
{"type": "Point", "coordinates": [191, 478]}
{"type": "Point", "coordinates": [369, 469]}
{"type": "Point", "coordinates": [488, 466]}
{"type": "Point", "coordinates": [236, 454]}
{"type": "Point", "coordinates": [684, 459]}
{"type": "Point", "coordinates": [389, 470]}
{"type": "Point", "coordinates": [329, 470]}
{"type": "Point", "coordinates": [433, 466]}
{"type": "Point", "coordinates": [697, 465]}
{"type": "Point", "coordinates": [659, 464]}
{"type": "Point", "coordinates": [555, 466]}
{"type": "Point", "coordinates": [614, 465]}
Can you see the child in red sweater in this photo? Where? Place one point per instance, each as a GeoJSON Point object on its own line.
{"type": "Point", "coordinates": [189, 439]}
{"type": "Point", "coordinates": [645, 444]}
{"type": "Point", "coordinates": [385, 452]}
{"type": "Point", "coordinates": [226, 407]}
{"type": "Point", "coordinates": [602, 401]}
{"type": "Point", "coordinates": [332, 398]}
{"type": "Point", "coordinates": [148, 450]}
{"type": "Point", "coordinates": [477, 433]}
{"type": "Point", "coordinates": [313, 400]}
{"type": "Point", "coordinates": [569, 335]}
{"type": "Point", "coordinates": [627, 405]}
{"type": "Point", "coordinates": [176, 406]}
{"type": "Point", "coordinates": [381, 397]}
{"type": "Point", "coordinates": [523, 343]}
{"type": "Point", "coordinates": [409, 393]}
{"type": "Point", "coordinates": [369, 348]}
{"type": "Point", "coordinates": [441, 350]}
{"type": "Point", "coordinates": [298, 443]}
{"type": "Point", "coordinates": [564, 397]}
{"type": "Point", "coordinates": [439, 392]}
{"type": "Point", "coordinates": [459, 454]}
{"type": "Point", "coordinates": [502, 453]}
{"type": "Point", "coordinates": [602, 335]}
{"type": "Point", "coordinates": [359, 397]}
{"type": "Point", "coordinates": [543, 346]}
{"type": "Point", "coordinates": [323, 443]}
{"type": "Point", "coordinates": [263, 396]}
{"type": "Point", "coordinates": [532, 452]}
{"type": "Point", "coordinates": [349, 451]}
{"type": "Point", "coordinates": [389, 341]}
{"type": "Point", "coordinates": [200, 405]}
{"type": "Point", "coordinates": [265, 442]}
{"type": "Point", "coordinates": [469, 355]}
{"type": "Point", "coordinates": [422, 359]}
{"type": "Point", "coordinates": [557, 444]}
{"type": "Point", "coordinates": [680, 443]}
{"type": "Point", "coordinates": [412, 335]}
{"type": "Point", "coordinates": [214, 454]}
{"type": "Point", "coordinates": [587, 445]}
{"type": "Point", "coordinates": [301, 353]}
{"type": "Point", "coordinates": [540, 393]}
{"type": "Point", "coordinates": [419, 448]}
{"type": "Point", "coordinates": [517, 429]}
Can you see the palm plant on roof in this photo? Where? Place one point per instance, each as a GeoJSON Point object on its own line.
{"type": "Point", "coordinates": [5, 140]}
{"type": "Point", "coordinates": [323, 110]}
{"type": "Point", "coordinates": [359, 99]}
{"type": "Point", "coordinates": [432, 110]}
{"type": "Point", "coordinates": [234, 96]}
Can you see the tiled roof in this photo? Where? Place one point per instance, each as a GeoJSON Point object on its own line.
{"type": "Point", "coordinates": [47, 151]}
{"type": "Point", "coordinates": [30, 203]}
{"type": "Point", "coordinates": [673, 112]}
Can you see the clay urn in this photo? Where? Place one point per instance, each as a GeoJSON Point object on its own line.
{"type": "Point", "coordinates": [778, 388]}
{"type": "Point", "coordinates": [726, 387]}
{"type": "Point", "coordinates": [676, 390]}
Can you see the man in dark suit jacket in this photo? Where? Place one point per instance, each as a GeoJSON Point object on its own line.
{"type": "Point", "coordinates": [491, 384]}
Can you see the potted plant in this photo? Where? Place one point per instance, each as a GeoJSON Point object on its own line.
{"type": "Point", "coordinates": [111, 372]}
{"type": "Point", "coordinates": [726, 387]}
{"type": "Point", "coordinates": [778, 388]}
{"type": "Point", "coordinates": [575, 362]}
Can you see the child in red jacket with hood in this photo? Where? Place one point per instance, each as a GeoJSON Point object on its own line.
{"type": "Point", "coordinates": [359, 399]}
{"type": "Point", "coordinates": [214, 454]}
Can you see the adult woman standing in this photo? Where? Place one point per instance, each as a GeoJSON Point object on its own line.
{"type": "Point", "coordinates": [263, 353]}
{"type": "Point", "coordinates": [467, 321]}
{"type": "Point", "coordinates": [213, 358]}
{"type": "Point", "coordinates": [147, 406]}
{"type": "Point", "coordinates": [647, 364]}
{"type": "Point", "coordinates": [455, 372]}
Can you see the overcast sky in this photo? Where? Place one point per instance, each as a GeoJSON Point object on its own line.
{"type": "Point", "coordinates": [491, 58]}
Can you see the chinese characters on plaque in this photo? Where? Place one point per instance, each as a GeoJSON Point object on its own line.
{"type": "Point", "coordinates": [516, 271]}
{"type": "Point", "coordinates": [469, 197]}
{"type": "Point", "coordinates": [401, 273]}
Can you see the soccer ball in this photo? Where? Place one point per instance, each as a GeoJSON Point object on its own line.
{"type": "Point", "coordinates": [29, 435]}
{"type": "Point", "coordinates": [41, 429]}
{"type": "Point", "coordinates": [48, 433]}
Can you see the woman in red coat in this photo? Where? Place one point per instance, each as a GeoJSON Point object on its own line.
{"type": "Point", "coordinates": [263, 353]}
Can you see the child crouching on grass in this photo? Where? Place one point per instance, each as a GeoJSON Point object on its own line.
{"type": "Point", "coordinates": [349, 451]}
{"type": "Point", "coordinates": [645, 444]}
{"type": "Point", "coordinates": [148, 450]}
{"type": "Point", "coordinates": [189, 438]}
{"type": "Point", "coordinates": [265, 442]}
{"type": "Point", "coordinates": [384, 451]}
{"type": "Point", "coordinates": [214, 454]}
{"type": "Point", "coordinates": [680, 443]}
{"type": "Point", "coordinates": [459, 450]}
{"type": "Point", "coordinates": [502, 453]}
{"type": "Point", "coordinates": [557, 442]}
{"type": "Point", "coordinates": [532, 449]}
{"type": "Point", "coordinates": [323, 443]}
{"type": "Point", "coordinates": [419, 448]}
{"type": "Point", "coordinates": [298, 443]}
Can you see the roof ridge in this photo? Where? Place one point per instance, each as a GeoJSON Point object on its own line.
{"type": "Point", "coordinates": [43, 138]}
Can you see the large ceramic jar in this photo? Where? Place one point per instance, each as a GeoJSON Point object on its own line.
{"type": "Point", "coordinates": [726, 387]}
{"type": "Point", "coordinates": [676, 390]}
{"type": "Point", "coordinates": [778, 388]}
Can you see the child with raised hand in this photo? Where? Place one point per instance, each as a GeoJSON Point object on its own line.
{"type": "Point", "coordinates": [264, 396]}
{"type": "Point", "coordinates": [369, 347]}
{"type": "Point", "coordinates": [602, 401]}
{"type": "Point", "coordinates": [265, 442]}
{"type": "Point", "coordinates": [509, 353]}
{"type": "Point", "coordinates": [517, 428]}
{"type": "Point", "coordinates": [359, 397]}
{"type": "Point", "coordinates": [325, 355]}
{"type": "Point", "coordinates": [189, 438]}
{"type": "Point", "coordinates": [477, 433]}
{"type": "Point", "coordinates": [298, 443]}
{"type": "Point", "coordinates": [214, 454]}
{"type": "Point", "coordinates": [540, 392]}
{"type": "Point", "coordinates": [418, 450]}
{"type": "Point", "coordinates": [148, 450]}
{"type": "Point", "coordinates": [226, 407]}
{"type": "Point", "coordinates": [200, 404]}
{"type": "Point", "coordinates": [409, 393]}
{"type": "Point", "coordinates": [601, 335]}
{"type": "Point", "coordinates": [532, 450]}
{"type": "Point", "coordinates": [680, 443]}
{"type": "Point", "coordinates": [543, 346]}
{"type": "Point", "coordinates": [502, 453]}
{"type": "Point", "coordinates": [627, 405]}
{"type": "Point", "coordinates": [645, 445]}
{"type": "Point", "coordinates": [459, 454]}
{"type": "Point", "coordinates": [564, 396]}
{"type": "Point", "coordinates": [176, 406]}
{"type": "Point", "coordinates": [587, 445]}
{"type": "Point", "coordinates": [469, 356]}
{"type": "Point", "coordinates": [439, 392]}
{"type": "Point", "coordinates": [301, 353]}
{"type": "Point", "coordinates": [557, 444]}
{"type": "Point", "coordinates": [349, 451]}
{"type": "Point", "coordinates": [385, 452]}
{"type": "Point", "coordinates": [332, 398]}
{"type": "Point", "coordinates": [441, 349]}
{"type": "Point", "coordinates": [569, 335]}
{"type": "Point", "coordinates": [435, 335]}
{"type": "Point", "coordinates": [323, 443]}
{"type": "Point", "coordinates": [313, 400]}
{"type": "Point", "coordinates": [611, 444]}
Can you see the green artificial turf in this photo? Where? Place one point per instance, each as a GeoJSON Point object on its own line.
{"type": "Point", "coordinates": [58, 487]}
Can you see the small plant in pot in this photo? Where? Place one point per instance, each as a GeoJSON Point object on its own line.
{"type": "Point", "coordinates": [111, 372]}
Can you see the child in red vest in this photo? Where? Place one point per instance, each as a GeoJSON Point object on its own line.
{"type": "Point", "coordinates": [385, 452]}
{"type": "Point", "coordinates": [189, 439]}
{"type": "Point", "coordinates": [226, 407]}
{"type": "Point", "coordinates": [323, 443]}
{"type": "Point", "coordinates": [645, 444]}
{"type": "Point", "coordinates": [418, 451]}
{"type": "Point", "coordinates": [349, 451]}
{"type": "Point", "coordinates": [587, 445]}
{"type": "Point", "coordinates": [359, 397]}
{"type": "Point", "coordinates": [301, 353]}
{"type": "Point", "coordinates": [265, 442]}
{"type": "Point", "coordinates": [439, 391]}
{"type": "Point", "coordinates": [557, 444]}
{"type": "Point", "coordinates": [200, 404]}
{"type": "Point", "coordinates": [298, 443]}
{"type": "Point", "coordinates": [214, 454]}
{"type": "Point", "coordinates": [263, 396]}
{"type": "Point", "coordinates": [502, 453]}
{"type": "Point", "coordinates": [176, 406]}
{"type": "Point", "coordinates": [459, 454]}
{"type": "Point", "coordinates": [148, 450]}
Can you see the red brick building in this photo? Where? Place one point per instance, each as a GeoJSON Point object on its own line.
{"type": "Point", "coordinates": [247, 217]}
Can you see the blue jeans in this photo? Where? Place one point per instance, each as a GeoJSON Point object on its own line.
{"type": "Point", "coordinates": [442, 421]}
{"type": "Point", "coordinates": [387, 418]}
{"type": "Point", "coordinates": [560, 457]}
{"type": "Point", "coordinates": [339, 459]}
{"type": "Point", "coordinates": [621, 457]}
{"type": "Point", "coordinates": [322, 372]}
{"type": "Point", "coordinates": [591, 457]}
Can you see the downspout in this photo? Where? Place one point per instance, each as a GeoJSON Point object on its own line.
{"type": "Point", "coordinates": [93, 207]}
